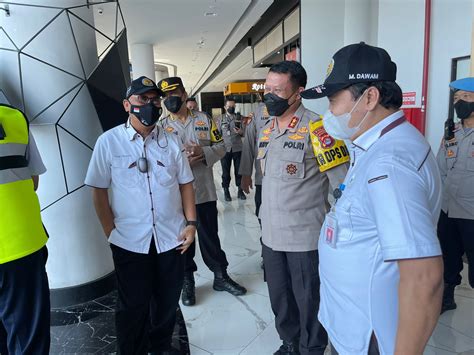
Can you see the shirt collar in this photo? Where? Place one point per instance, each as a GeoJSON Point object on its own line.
{"type": "Point", "coordinates": [132, 133]}
{"type": "Point", "coordinates": [368, 138]}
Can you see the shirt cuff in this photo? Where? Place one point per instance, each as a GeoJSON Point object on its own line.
{"type": "Point", "coordinates": [411, 252]}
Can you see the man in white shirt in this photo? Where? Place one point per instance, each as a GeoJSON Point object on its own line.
{"type": "Point", "coordinates": [149, 220]}
{"type": "Point", "coordinates": [380, 260]}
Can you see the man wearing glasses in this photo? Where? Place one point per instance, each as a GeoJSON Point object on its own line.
{"type": "Point", "coordinates": [149, 220]}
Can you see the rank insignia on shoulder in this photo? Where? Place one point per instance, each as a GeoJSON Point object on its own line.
{"type": "Point", "coordinates": [381, 177]}
{"type": "Point", "coordinates": [200, 123]}
{"type": "Point", "coordinates": [169, 129]}
{"type": "Point", "coordinates": [267, 131]}
{"type": "Point", "coordinates": [296, 137]}
{"type": "Point", "coordinates": [265, 138]}
{"type": "Point", "coordinates": [291, 169]}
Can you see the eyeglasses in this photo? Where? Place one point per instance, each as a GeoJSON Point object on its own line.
{"type": "Point", "coordinates": [142, 99]}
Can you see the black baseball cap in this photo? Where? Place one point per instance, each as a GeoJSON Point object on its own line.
{"type": "Point", "coordinates": [170, 84]}
{"type": "Point", "coordinates": [352, 64]}
{"type": "Point", "coordinates": [142, 85]}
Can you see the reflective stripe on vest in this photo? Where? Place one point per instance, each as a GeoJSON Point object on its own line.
{"type": "Point", "coordinates": [21, 231]}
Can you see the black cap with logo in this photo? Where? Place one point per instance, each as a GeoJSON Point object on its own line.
{"type": "Point", "coordinates": [355, 63]}
{"type": "Point", "coordinates": [142, 85]}
{"type": "Point", "coordinates": [170, 84]}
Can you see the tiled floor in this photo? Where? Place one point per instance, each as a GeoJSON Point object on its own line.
{"type": "Point", "coordinates": [223, 324]}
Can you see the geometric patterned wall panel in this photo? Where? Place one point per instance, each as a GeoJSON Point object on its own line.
{"type": "Point", "coordinates": [89, 99]}
{"type": "Point", "coordinates": [69, 78]}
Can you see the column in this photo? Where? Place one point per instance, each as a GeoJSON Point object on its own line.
{"type": "Point", "coordinates": [142, 60]}
{"type": "Point", "coordinates": [56, 48]}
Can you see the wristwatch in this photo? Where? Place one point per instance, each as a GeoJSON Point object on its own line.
{"type": "Point", "coordinates": [192, 223]}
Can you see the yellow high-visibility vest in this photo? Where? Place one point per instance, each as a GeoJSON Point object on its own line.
{"type": "Point", "coordinates": [21, 230]}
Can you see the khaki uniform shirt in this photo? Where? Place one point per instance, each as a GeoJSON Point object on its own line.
{"type": "Point", "coordinates": [232, 140]}
{"type": "Point", "coordinates": [250, 145]}
{"type": "Point", "coordinates": [456, 164]}
{"type": "Point", "coordinates": [294, 191]}
{"type": "Point", "coordinates": [200, 129]}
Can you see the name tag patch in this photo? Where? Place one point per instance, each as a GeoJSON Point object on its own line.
{"type": "Point", "coordinates": [330, 230]}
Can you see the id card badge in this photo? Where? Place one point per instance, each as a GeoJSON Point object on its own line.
{"type": "Point", "coordinates": [330, 230]}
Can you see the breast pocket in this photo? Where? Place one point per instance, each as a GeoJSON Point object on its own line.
{"type": "Point", "coordinates": [344, 220]}
{"type": "Point", "coordinates": [291, 165]}
{"type": "Point", "coordinates": [123, 173]}
{"type": "Point", "coordinates": [165, 171]}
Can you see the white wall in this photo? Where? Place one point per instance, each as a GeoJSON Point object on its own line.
{"type": "Point", "coordinates": [322, 34]}
{"type": "Point", "coordinates": [401, 33]}
{"type": "Point", "coordinates": [451, 28]}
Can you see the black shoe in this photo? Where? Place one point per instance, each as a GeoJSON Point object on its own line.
{"type": "Point", "coordinates": [222, 282]}
{"type": "Point", "coordinates": [448, 298]}
{"type": "Point", "coordinates": [288, 348]}
{"type": "Point", "coordinates": [188, 295]}
{"type": "Point", "coordinates": [227, 194]}
{"type": "Point", "coordinates": [241, 195]}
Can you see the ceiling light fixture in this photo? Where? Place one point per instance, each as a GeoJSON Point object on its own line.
{"type": "Point", "coordinates": [209, 14]}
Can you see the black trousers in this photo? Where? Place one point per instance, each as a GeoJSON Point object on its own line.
{"type": "Point", "coordinates": [373, 347]}
{"type": "Point", "coordinates": [456, 236]}
{"type": "Point", "coordinates": [208, 238]}
{"type": "Point", "coordinates": [258, 200]}
{"type": "Point", "coordinates": [293, 285]}
{"type": "Point", "coordinates": [226, 162]}
{"type": "Point", "coordinates": [149, 286]}
{"type": "Point", "coordinates": [25, 305]}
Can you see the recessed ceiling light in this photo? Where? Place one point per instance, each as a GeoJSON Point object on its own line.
{"type": "Point", "coordinates": [210, 14]}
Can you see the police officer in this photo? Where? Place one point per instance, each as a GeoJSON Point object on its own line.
{"type": "Point", "coordinates": [204, 146]}
{"type": "Point", "coordinates": [249, 153]}
{"type": "Point", "coordinates": [456, 163]}
{"type": "Point", "coordinates": [231, 127]}
{"type": "Point", "coordinates": [298, 161]}
{"type": "Point", "coordinates": [24, 290]}
{"type": "Point", "coordinates": [380, 260]}
{"type": "Point", "coordinates": [150, 219]}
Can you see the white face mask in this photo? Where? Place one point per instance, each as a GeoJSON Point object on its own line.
{"type": "Point", "coordinates": [338, 126]}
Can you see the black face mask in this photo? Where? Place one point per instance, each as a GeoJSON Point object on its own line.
{"type": "Point", "coordinates": [464, 109]}
{"type": "Point", "coordinates": [276, 105]}
{"type": "Point", "coordinates": [147, 114]}
{"type": "Point", "coordinates": [173, 103]}
{"type": "Point", "coordinates": [231, 110]}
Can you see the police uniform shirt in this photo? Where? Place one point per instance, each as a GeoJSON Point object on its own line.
{"type": "Point", "coordinates": [250, 145]}
{"type": "Point", "coordinates": [232, 140]}
{"type": "Point", "coordinates": [294, 191]}
{"type": "Point", "coordinates": [387, 212]}
{"type": "Point", "coordinates": [200, 129]}
{"type": "Point", "coordinates": [144, 205]}
{"type": "Point", "coordinates": [456, 164]}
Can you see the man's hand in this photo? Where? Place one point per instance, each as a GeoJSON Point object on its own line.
{"type": "Point", "coordinates": [193, 149]}
{"type": "Point", "coordinates": [246, 183]}
{"type": "Point", "coordinates": [187, 236]}
{"type": "Point", "coordinates": [239, 131]}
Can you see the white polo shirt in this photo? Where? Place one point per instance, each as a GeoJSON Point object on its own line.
{"type": "Point", "coordinates": [143, 204]}
{"type": "Point", "coordinates": [388, 211]}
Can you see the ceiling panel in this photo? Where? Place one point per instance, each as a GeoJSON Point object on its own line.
{"type": "Point", "coordinates": [183, 35]}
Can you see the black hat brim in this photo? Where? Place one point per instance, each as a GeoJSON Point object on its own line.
{"type": "Point", "coordinates": [147, 89]}
{"type": "Point", "coordinates": [323, 90]}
